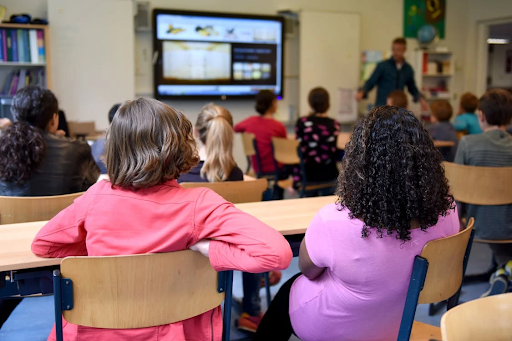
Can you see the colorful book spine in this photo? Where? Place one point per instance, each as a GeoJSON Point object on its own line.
{"type": "Point", "coordinates": [34, 51]}
{"type": "Point", "coordinates": [21, 80]}
{"type": "Point", "coordinates": [9, 45]}
{"type": "Point", "coordinates": [14, 43]}
{"type": "Point", "coordinates": [14, 84]}
{"type": "Point", "coordinates": [7, 85]}
{"type": "Point", "coordinates": [40, 46]}
{"type": "Point", "coordinates": [21, 44]}
{"type": "Point", "coordinates": [2, 58]}
{"type": "Point", "coordinates": [26, 45]}
{"type": "Point", "coordinates": [4, 45]}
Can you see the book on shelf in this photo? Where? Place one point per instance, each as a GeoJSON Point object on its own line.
{"type": "Point", "coordinates": [20, 78]}
{"type": "Point", "coordinates": [22, 45]}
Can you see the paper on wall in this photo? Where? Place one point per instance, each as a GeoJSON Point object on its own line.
{"type": "Point", "coordinates": [347, 105]}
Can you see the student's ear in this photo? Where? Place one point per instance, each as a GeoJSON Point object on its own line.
{"type": "Point", "coordinates": [196, 134]}
{"type": "Point", "coordinates": [481, 116]}
{"type": "Point", "coordinates": [53, 124]}
{"type": "Point", "coordinates": [389, 101]}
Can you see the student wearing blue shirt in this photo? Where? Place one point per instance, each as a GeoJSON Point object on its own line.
{"type": "Point", "coordinates": [393, 74]}
{"type": "Point", "coordinates": [466, 119]}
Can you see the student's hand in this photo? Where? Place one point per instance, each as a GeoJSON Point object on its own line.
{"type": "Point", "coordinates": [60, 132]}
{"type": "Point", "coordinates": [359, 95]}
{"type": "Point", "coordinates": [202, 246]}
{"type": "Point", "coordinates": [4, 123]}
{"type": "Point", "coordinates": [424, 104]}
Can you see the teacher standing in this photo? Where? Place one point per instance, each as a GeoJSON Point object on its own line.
{"type": "Point", "coordinates": [393, 74]}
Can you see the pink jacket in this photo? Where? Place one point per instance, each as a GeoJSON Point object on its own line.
{"type": "Point", "coordinates": [164, 218]}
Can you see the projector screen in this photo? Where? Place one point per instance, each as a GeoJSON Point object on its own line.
{"type": "Point", "coordinates": [216, 55]}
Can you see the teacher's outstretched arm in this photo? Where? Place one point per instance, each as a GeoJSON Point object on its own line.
{"type": "Point", "coordinates": [416, 94]}
{"type": "Point", "coordinates": [370, 83]}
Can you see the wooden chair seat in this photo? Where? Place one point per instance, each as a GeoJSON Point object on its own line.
{"type": "Point", "coordinates": [492, 241]}
{"type": "Point", "coordinates": [425, 332]}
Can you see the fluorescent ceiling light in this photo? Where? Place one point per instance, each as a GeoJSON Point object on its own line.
{"type": "Point", "coordinates": [497, 41]}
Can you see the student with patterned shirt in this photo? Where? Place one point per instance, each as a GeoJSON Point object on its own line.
{"type": "Point", "coordinates": [317, 135]}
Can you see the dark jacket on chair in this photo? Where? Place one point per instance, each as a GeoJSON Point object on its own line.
{"type": "Point", "coordinates": [68, 167]}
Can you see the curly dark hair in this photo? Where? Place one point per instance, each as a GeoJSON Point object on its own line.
{"type": "Point", "coordinates": [147, 144]}
{"type": "Point", "coordinates": [22, 147]}
{"type": "Point", "coordinates": [392, 175]}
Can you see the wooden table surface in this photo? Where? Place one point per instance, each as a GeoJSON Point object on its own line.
{"type": "Point", "coordinates": [286, 216]}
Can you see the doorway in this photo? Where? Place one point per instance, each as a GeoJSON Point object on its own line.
{"type": "Point", "coordinates": [499, 57]}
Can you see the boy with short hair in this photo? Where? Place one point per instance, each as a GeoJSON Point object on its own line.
{"type": "Point", "coordinates": [492, 148]}
{"type": "Point", "coordinates": [441, 129]}
{"type": "Point", "coordinates": [398, 98]}
{"type": "Point", "coordinates": [466, 119]}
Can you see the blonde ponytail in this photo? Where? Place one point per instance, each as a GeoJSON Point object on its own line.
{"type": "Point", "coordinates": [215, 127]}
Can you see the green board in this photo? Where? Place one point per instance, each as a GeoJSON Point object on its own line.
{"type": "Point", "coordinates": [418, 13]}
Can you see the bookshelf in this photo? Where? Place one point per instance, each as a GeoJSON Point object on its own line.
{"type": "Point", "coordinates": [35, 70]}
{"type": "Point", "coordinates": [434, 72]}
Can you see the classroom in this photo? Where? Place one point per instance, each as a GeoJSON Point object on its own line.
{"type": "Point", "coordinates": [275, 170]}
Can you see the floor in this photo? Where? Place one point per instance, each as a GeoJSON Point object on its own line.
{"type": "Point", "coordinates": [39, 311]}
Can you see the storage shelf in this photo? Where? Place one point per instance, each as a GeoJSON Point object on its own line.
{"type": "Point", "coordinates": [21, 64]}
{"type": "Point", "coordinates": [436, 52]}
{"type": "Point", "coordinates": [437, 75]}
{"type": "Point", "coordinates": [26, 26]}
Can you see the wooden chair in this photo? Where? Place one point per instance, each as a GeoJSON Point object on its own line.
{"type": "Point", "coordinates": [481, 186]}
{"type": "Point", "coordinates": [342, 140]}
{"type": "Point", "coordinates": [248, 144]}
{"type": "Point", "coordinates": [287, 152]}
{"type": "Point", "coordinates": [234, 191]}
{"type": "Point", "coordinates": [15, 210]}
{"type": "Point", "coordinates": [461, 134]}
{"type": "Point", "coordinates": [443, 144]}
{"type": "Point", "coordinates": [482, 319]}
{"type": "Point", "coordinates": [82, 129]}
{"type": "Point", "coordinates": [436, 279]}
{"type": "Point", "coordinates": [238, 192]}
{"type": "Point", "coordinates": [138, 291]}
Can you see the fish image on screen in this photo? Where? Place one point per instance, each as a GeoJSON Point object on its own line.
{"type": "Point", "coordinates": [187, 62]}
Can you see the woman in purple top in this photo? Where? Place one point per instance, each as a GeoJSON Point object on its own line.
{"type": "Point", "coordinates": [357, 256]}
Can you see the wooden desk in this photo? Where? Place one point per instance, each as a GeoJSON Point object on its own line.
{"type": "Point", "coordinates": [290, 217]}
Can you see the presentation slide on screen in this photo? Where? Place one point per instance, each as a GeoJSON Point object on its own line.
{"type": "Point", "coordinates": [217, 56]}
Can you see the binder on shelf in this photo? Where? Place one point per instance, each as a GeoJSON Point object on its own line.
{"type": "Point", "coordinates": [7, 84]}
{"type": "Point", "coordinates": [34, 51]}
{"type": "Point", "coordinates": [21, 50]}
{"type": "Point", "coordinates": [2, 58]}
{"type": "Point", "coordinates": [40, 45]}
{"type": "Point", "coordinates": [4, 45]}
{"type": "Point", "coordinates": [26, 45]}
{"type": "Point", "coordinates": [22, 79]}
{"type": "Point", "coordinates": [14, 84]}
{"type": "Point", "coordinates": [14, 44]}
{"type": "Point", "coordinates": [9, 45]}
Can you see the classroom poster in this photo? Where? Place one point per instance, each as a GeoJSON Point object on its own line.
{"type": "Point", "coordinates": [418, 13]}
{"type": "Point", "coordinates": [369, 61]}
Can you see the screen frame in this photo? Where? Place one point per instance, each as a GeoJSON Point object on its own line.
{"type": "Point", "coordinates": [158, 11]}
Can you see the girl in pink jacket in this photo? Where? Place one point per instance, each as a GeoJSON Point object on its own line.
{"type": "Point", "coordinates": [142, 209]}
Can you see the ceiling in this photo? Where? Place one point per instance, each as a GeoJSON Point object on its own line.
{"type": "Point", "coordinates": [503, 31]}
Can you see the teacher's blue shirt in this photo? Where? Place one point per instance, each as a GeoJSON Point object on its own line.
{"type": "Point", "coordinates": [387, 78]}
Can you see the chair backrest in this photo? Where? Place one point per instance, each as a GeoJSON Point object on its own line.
{"type": "Point", "coordinates": [15, 210]}
{"type": "Point", "coordinates": [248, 144]}
{"type": "Point", "coordinates": [441, 144]}
{"type": "Point", "coordinates": [82, 128]}
{"type": "Point", "coordinates": [138, 291]}
{"type": "Point", "coordinates": [234, 191]}
{"type": "Point", "coordinates": [342, 140]}
{"type": "Point", "coordinates": [445, 258]}
{"type": "Point", "coordinates": [285, 150]}
{"type": "Point", "coordinates": [480, 185]}
{"type": "Point", "coordinates": [482, 319]}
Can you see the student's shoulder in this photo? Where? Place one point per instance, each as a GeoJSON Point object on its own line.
{"type": "Point", "coordinates": [334, 212]}
{"type": "Point", "coordinates": [236, 174]}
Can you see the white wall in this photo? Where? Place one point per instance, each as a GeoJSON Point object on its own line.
{"type": "Point", "coordinates": [481, 11]}
{"type": "Point", "coordinates": [500, 79]}
{"type": "Point", "coordinates": [381, 21]}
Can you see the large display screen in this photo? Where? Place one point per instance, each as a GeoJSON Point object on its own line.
{"type": "Point", "coordinates": [216, 55]}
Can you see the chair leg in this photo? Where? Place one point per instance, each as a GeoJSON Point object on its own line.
{"type": "Point", "coordinates": [226, 330]}
{"type": "Point", "coordinates": [267, 288]}
{"type": "Point", "coordinates": [57, 297]}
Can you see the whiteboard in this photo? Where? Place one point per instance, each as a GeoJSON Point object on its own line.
{"type": "Point", "coordinates": [329, 56]}
{"type": "Point", "coordinates": [92, 50]}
